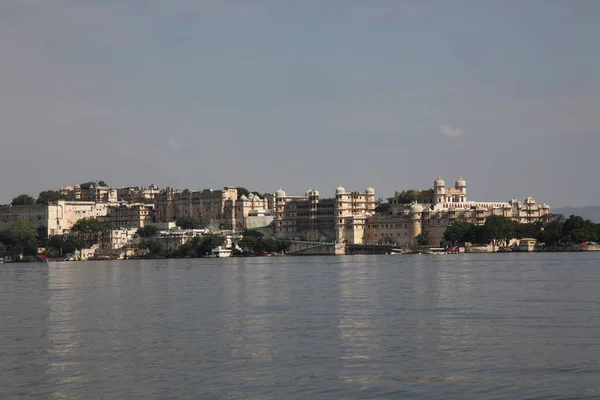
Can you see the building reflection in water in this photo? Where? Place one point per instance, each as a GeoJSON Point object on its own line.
{"type": "Point", "coordinates": [360, 314]}
{"type": "Point", "coordinates": [255, 299]}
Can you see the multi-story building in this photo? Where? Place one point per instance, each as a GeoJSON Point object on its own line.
{"type": "Point", "coordinates": [57, 218]}
{"type": "Point", "coordinates": [218, 209]}
{"type": "Point", "coordinates": [249, 212]}
{"type": "Point", "coordinates": [405, 222]}
{"type": "Point", "coordinates": [129, 216]}
{"type": "Point", "coordinates": [137, 194]}
{"type": "Point", "coordinates": [95, 193]}
{"type": "Point", "coordinates": [341, 218]}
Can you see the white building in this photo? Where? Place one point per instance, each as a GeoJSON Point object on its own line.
{"type": "Point", "coordinates": [58, 218]}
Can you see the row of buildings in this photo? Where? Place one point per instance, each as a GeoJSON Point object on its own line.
{"type": "Point", "coordinates": [347, 217]}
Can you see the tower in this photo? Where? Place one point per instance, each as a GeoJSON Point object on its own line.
{"type": "Point", "coordinates": [461, 189]}
{"type": "Point", "coordinates": [415, 228]}
{"type": "Point", "coordinates": [439, 190]}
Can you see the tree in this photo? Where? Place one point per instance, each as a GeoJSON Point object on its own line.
{"type": "Point", "coordinates": [256, 242]}
{"type": "Point", "coordinates": [576, 229]}
{"type": "Point", "coordinates": [551, 231]}
{"type": "Point", "coordinates": [49, 196]}
{"type": "Point", "coordinates": [102, 183]}
{"type": "Point", "coordinates": [187, 223]}
{"type": "Point", "coordinates": [528, 230]}
{"type": "Point", "coordinates": [153, 245]}
{"type": "Point", "coordinates": [2, 250]}
{"type": "Point", "coordinates": [59, 246]}
{"type": "Point", "coordinates": [423, 238]}
{"type": "Point", "coordinates": [87, 185]}
{"type": "Point", "coordinates": [499, 229]}
{"type": "Point", "coordinates": [461, 232]}
{"type": "Point", "coordinates": [242, 191]}
{"type": "Point", "coordinates": [20, 238]}
{"type": "Point", "coordinates": [88, 226]}
{"type": "Point", "coordinates": [147, 231]}
{"type": "Point", "coordinates": [410, 196]}
{"type": "Point", "coordinates": [23, 200]}
{"type": "Point", "coordinates": [381, 207]}
{"type": "Point", "coordinates": [199, 247]}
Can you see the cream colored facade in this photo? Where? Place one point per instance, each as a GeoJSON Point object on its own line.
{"type": "Point", "coordinates": [95, 193]}
{"type": "Point", "coordinates": [58, 217]}
{"type": "Point", "coordinates": [217, 209]}
{"type": "Point", "coordinates": [342, 218]}
{"type": "Point", "coordinates": [117, 241]}
{"type": "Point", "coordinates": [137, 194]}
{"type": "Point", "coordinates": [129, 216]}
{"type": "Point", "coordinates": [405, 222]}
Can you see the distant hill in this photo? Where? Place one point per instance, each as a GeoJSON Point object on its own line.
{"type": "Point", "coordinates": [588, 212]}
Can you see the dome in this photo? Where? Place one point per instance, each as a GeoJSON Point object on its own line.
{"type": "Point", "coordinates": [370, 190]}
{"type": "Point", "coordinates": [416, 208]}
{"type": "Point", "coordinates": [439, 182]}
{"type": "Point", "coordinates": [251, 196]}
{"type": "Point", "coordinates": [280, 193]}
{"type": "Point", "coordinates": [460, 182]}
{"type": "Point", "coordinates": [340, 190]}
{"type": "Point", "coordinates": [243, 197]}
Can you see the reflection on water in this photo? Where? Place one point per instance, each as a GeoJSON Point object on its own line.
{"type": "Point", "coordinates": [512, 326]}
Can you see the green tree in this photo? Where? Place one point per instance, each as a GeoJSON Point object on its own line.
{"type": "Point", "coordinates": [2, 250]}
{"type": "Point", "coordinates": [461, 232]}
{"type": "Point", "coordinates": [20, 238]}
{"type": "Point", "coordinates": [381, 206]}
{"type": "Point", "coordinates": [242, 191]}
{"type": "Point", "coordinates": [153, 246]}
{"type": "Point", "coordinates": [410, 196]}
{"type": "Point", "coordinates": [23, 200]}
{"type": "Point", "coordinates": [423, 238]}
{"type": "Point", "coordinates": [102, 183]}
{"type": "Point", "coordinates": [499, 229]}
{"type": "Point", "coordinates": [87, 185]}
{"type": "Point", "coordinates": [199, 247]}
{"type": "Point", "coordinates": [87, 226]}
{"type": "Point", "coordinates": [551, 230]}
{"type": "Point", "coordinates": [147, 231]}
{"type": "Point", "coordinates": [531, 230]}
{"type": "Point", "coordinates": [49, 196]}
{"type": "Point", "coordinates": [59, 246]}
{"type": "Point", "coordinates": [187, 223]}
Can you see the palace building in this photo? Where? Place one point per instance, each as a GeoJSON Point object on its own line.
{"type": "Point", "coordinates": [439, 207]}
{"type": "Point", "coordinates": [342, 218]}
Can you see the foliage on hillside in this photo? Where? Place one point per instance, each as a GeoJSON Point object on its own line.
{"type": "Point", "coordinates": [555, 229]}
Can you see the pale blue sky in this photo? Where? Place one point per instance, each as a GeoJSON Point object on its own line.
{"type": "Point", "coordinates": [262, 94]}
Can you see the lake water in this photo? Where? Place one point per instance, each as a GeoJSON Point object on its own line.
{"type": "Point", "coordinates": [502, 326]}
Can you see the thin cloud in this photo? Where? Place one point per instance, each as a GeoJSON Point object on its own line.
{"type": "Point", "coordinates": [451, 132]}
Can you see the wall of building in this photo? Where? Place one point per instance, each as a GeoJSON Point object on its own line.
{"type": "Point", "coordinates": [309, 217]}
{"type": "Point", "coordinates": [56, 217]}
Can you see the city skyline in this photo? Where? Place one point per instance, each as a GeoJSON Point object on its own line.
{"type": "Point", "coordinates": [201, 94]}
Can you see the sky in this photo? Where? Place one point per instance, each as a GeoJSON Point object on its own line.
{"type": "Point", "coordinates": [315, 93]}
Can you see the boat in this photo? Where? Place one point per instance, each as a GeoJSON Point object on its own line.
{"type": "Point", "coordinates": [437, 250]}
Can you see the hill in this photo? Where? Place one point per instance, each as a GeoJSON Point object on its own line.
{"type": "Point", "coordinates": [588, 212]}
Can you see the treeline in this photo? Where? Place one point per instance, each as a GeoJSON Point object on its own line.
{"type": "Point", "coordinates": [497, 229]}
{"type": "Point", "coordinates": [252, 242]}
{"type": "Point", "coordinates": [24, 239]}
{"type": "Point", "coordinates": [255, 242]}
